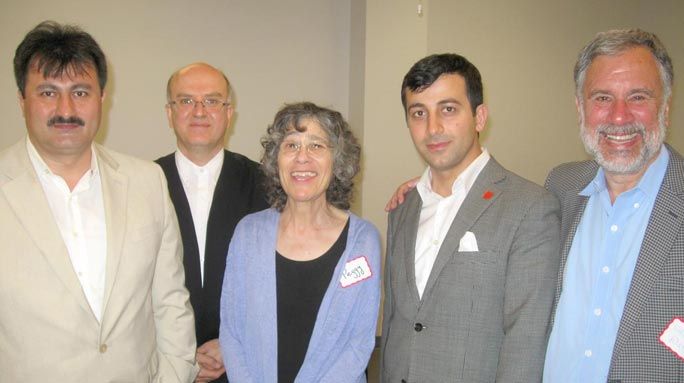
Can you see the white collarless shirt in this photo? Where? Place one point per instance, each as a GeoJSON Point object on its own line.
{"type": "Point", "coordinates": [80, 216]}
{"type": "Point", "coordinates": [437, 214]}
{"type": "Point", "coordinates": [199, 183]}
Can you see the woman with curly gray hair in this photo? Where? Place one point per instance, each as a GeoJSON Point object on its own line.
{"type": "Point", "coordinates": [302, 284]}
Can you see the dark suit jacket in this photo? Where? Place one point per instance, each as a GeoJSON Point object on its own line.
{"type": "Point", "coordinates": [238, 192]}
{"type": "Point", "coordinates": [484, 314]}
{"type": "Point", "coordinates": [656, 294]}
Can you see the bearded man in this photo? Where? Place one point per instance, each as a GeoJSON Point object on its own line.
{"type": "Point", "coordinates": [619, 298]}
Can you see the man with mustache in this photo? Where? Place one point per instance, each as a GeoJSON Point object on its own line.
{"type": "Point", "coordinates": [211, 189]}
{"type": "Point", "coordinates": [620, 293]}
{"type": "Point", "coordinates": [91, 277]}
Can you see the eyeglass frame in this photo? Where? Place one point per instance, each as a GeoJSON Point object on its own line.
{"type": "Point", "coordinates": [317, 153]}
{"type": "Point", "coordinates": [193, 103]}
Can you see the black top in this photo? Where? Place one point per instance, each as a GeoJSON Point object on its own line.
{"type": "Point", "coordinates": [300, 287]}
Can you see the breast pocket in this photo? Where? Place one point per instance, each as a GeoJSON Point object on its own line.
{"type": "Point", "coordinates": [139, 253]}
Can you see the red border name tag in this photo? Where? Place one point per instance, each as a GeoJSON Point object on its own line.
{"type": "Point", "coordinates": [355, 271]}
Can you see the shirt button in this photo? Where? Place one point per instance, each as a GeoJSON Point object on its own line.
{"type": "Point", "coordinates": [435, 242]}
{"type": "Point", "coordinates": [418, 327]}
{"type": "Point", "coordinates": [636, 205]}
{"type": "Point", "coordinates": [597, 312]}
{"type": "Point", "coordinates": [605, 269]}
{"type": "Point", "coordinates": [587, 353]}
{"type": "Point", "coordinates": [613, 228]}
{"type": "Point", "coordinates": [103, 348]}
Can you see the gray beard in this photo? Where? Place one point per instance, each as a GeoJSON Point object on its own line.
{"type": "Point", "coordinates": [650, 147]}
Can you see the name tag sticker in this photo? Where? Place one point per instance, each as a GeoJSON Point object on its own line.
{"type": "Point", "coordinates": [673, 337]}
{"type": "Point", "coordinates": [355, 271]}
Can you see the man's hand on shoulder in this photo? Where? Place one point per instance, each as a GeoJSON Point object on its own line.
{"type": "Point", "coordinates": [398, 196]}
{"type": "Point", "coordinates": [210, 361]}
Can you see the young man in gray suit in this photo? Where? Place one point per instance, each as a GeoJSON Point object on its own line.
{"type": "Point", "coordinates": [620, 292]}
{"type": "Point", "coordinates": [472, 254]}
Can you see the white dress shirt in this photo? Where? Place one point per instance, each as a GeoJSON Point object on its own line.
{"type": "Point", "coordinates": [437, 214]}
{"type": "Point", "coordinates": [199, 183]}
{"type": "Point", "coordinates": [80, 216]}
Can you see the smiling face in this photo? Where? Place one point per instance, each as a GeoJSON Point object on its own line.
{"type": "Point", "coordinates": [443, 127]}
{"type": "Point", "coordinates": [623, 113]}
{"type": "Point", "coordinates": [199, 131]}
{"type": "Point", "coordinates": [62, 113]}
{"type": "Point", "coordinates": [305, 164]}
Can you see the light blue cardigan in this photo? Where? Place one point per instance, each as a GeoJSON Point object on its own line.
{"type": "Point", "coordinates": [344, 334]}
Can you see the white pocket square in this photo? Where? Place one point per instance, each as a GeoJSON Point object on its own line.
{"type": "Point", "coordinates": [468, 242]}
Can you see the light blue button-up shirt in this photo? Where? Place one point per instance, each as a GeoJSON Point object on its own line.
{"type": "Point", "coordinates": [597, 276]}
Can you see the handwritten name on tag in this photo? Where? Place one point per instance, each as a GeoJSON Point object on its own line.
{"type": "Point", "coordinates": [355, 271]}
{"type": "Point", "coordinates": [673, 337]}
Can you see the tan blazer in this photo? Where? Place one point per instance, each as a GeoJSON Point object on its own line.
{"type": "Point", "coordinates": [48, 332]}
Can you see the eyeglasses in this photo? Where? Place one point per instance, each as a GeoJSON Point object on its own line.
{"type": "Point", "coordinates": [313, 148]}
{"type": "Point", "coordinates": [210, 104]}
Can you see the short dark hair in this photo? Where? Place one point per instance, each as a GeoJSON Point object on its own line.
{"type": "Point", "coordinates": [56, 49]}
{"type": "Point", "coordinates": [346, 152]}
{"type": "Point", "coordinates": [426, 71]}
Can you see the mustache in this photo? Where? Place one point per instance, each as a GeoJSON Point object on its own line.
{"type": "Point", "coordinates": [73, 120]}
{"type": "Point", "coordinates": [634, 127]}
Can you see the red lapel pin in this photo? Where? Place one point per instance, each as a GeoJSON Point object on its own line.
{"type": "Point", "coordinates": [488, 194]}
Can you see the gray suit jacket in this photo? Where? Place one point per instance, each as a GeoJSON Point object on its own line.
{"type": "Point", "coordinates": [48, 332]}
{"type": "Point", "coordinates": [656, 295]}
{"type": "Point", "coordinates": [484, 315]}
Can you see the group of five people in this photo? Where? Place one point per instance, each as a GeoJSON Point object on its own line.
{"type": "Point", "coordinates": [487, 276]}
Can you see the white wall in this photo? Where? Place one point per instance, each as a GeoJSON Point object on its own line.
{"type": "Point", "coordinates": [395, 36]}
{"type": "Point", "coordinates": [350, 55]}
{"type": "Point", "coordinates": [525, 50]}
{"type": "Point", "coordinates": [666, 18]}
{"type": "Point", "coordinates": [273, 52]}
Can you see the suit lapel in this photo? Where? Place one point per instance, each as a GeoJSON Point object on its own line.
{"type": "Point", "coordinates": [26, 197]}
{"type": "Point", "coordinates": [572, 205]}
{"type": "Point", "coordinates": [573, 208]}
{"type": "Point", "coordinates": [408, 231]}
{"type": "Point", "coordinates": [472, 208]}
{"type": "Point", "coordinates": [663, 226]}
{"type": "Point", "coordinates": [114, 195]}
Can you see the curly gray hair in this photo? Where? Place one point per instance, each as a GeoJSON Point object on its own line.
{"type": "Point", "coordinates": [346, 152]}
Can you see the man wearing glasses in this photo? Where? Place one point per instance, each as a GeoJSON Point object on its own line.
{"type": "Point", "coordinates": [212, 189]}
